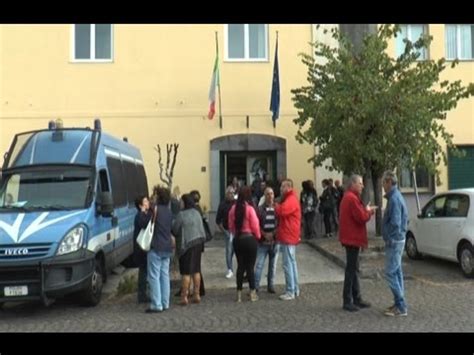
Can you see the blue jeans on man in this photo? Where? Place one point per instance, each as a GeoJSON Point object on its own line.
{"type": "Point", "coordinates": [229, 249]}
{"type": "Point", "coordinates": [262, 251]}
{"type": "Point", "coordinates": [290, 269]}
{"type": "Point", "coordinates": [159, 279]}
{"type": "Point", "coordinates": [394, 273]}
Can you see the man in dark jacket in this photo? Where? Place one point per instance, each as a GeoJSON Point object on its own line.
{"type": "Point", "coordinates": [142, 218]}
{"type": "Point", "coordinates": [222, 218]}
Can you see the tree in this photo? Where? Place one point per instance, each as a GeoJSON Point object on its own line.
{"type": "Point", "coordinates": [370, 112]}
{"type": "Point", "coordinates": [166, 174]}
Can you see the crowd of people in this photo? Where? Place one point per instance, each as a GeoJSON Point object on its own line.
{"type": "Point", "coordinates": [257, 222]}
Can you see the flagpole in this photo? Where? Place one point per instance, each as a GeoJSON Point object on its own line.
{"type": "Point", "coordinates": [274, 121]}
{"type": "Point", "coordinates": [219, 84]}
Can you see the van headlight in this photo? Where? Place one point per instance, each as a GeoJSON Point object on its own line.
{"type": "Point", "coordinates": [72, 241]}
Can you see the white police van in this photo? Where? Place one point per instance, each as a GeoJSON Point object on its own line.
{"type": "Point", "coordinates": [66, 212]}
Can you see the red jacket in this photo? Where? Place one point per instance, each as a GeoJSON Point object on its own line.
{"type": "Point", "coordinates": [352, 221]}
{"type": "Point", "coordinates": [288, 213]}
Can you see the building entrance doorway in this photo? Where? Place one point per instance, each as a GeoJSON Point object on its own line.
{"type": "Point", "coordinates": [246, 166]}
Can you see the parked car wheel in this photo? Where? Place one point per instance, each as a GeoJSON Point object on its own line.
{"type": "Point", "coordinates": [466, 260]}
{"type": "Point", "coordinates": [411, 248]}
{"type": "Point", "coordinates": [92, 294]}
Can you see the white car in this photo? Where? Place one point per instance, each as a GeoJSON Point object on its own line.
{"type": "Point", "coordinates": [445, 229]}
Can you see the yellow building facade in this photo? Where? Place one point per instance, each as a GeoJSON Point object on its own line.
{"type": "Point", "coordinates": [150, 83]}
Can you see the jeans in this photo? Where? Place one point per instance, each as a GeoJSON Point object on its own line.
{"type": "Point", "coordinates": [394, 273]}
{"type": "Point", "coordinates": [351, 291]}
{"type": "Point", "coordinates": [229, 249]}
{"type": "Point", "coordinates": [142, 283]}
{"type": "Point", "coordinates": [262, 251]}
{"type": "Point", "coordinates": [290, 268]}
{"type": "Point", "coordinates": [159, 279]}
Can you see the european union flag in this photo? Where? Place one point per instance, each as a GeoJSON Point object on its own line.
{"type": "Point", "coordinates": [275, 98]}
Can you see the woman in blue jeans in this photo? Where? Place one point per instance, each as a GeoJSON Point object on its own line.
{"type": "Point", "coordinates": [160, 254]}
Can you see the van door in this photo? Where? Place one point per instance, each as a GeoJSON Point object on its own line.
{"type": "Point", "coordinates": [123, 212]}
{"type": "Point", "coordinates": [105, 229]}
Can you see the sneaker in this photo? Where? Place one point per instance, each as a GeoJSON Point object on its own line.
{"type": "Point", "coordinates": [270, 289]}
{"type": "Point", "coordinates": [362, 304]}
{"type": "Point", "coordinates": [229, 274]}
{"type": "Point", "coordinates": [297, 293]}
{"type": "Point", "coordinates": [287, 297]}
{"type": "Point", "coordinates": [390, 309]}
{"type": "Point", "coordinates": [395, 312]}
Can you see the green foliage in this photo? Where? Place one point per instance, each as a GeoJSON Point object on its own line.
{"type": "Point", "coordinates": [367, 110]}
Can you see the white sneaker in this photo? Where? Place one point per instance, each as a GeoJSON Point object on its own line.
{"type": "Point", "coordinates": [287, 297]}
{"type": "Point", "coordinates": [229, 274]}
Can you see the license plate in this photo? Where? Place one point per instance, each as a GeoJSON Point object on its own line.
{"type": "Point", "coordinates": [16, 291]}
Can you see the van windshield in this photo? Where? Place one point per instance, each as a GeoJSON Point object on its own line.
{"type": "Point", "coordinates": [41, 189]}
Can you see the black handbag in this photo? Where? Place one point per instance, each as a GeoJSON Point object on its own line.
{"type": "Point", "coordinates": [207, 230]}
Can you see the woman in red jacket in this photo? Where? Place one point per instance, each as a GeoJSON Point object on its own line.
{"type": "Point", "coordinates": [288, 213]}
{"type": "Point", "coordinates": [353, 236]}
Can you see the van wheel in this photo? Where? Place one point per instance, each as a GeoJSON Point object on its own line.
{"type": "Point", "coordinates": [92, 294]}
{"type": "Point", "coordinates": [411, 247]}
{"type": "Point", "coordinates": [466, 260]}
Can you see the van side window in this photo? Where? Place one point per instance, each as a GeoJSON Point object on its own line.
{"type": "Point", "coordinates": [142, 183]}
{"type": "Point", "coordinates": [103, 181]}
{"type": "Point", "coordinates": [119, 187]}
{"type": "Point", "coordinates": [131, 178]}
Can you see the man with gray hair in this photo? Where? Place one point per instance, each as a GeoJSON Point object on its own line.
{"type": "Point", "coordinates": [353, 236]}
{"type": "Point", "coordinates": [394, 228]}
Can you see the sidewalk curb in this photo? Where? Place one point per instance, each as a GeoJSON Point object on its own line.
{"type": "Point", "coordinates": [338, 261]}
{"type": "Point", "coordinates": [367, 273]}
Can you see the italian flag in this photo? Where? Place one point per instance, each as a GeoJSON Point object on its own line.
{"type": "Point", "coordinates": [212, 89]}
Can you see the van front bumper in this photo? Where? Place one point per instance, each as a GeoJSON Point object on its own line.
{"type": "Point", "coordinates": [48, 278]}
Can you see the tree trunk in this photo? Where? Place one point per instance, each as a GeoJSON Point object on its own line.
{"type": "Point", "coordinates": [367, 187]}
{"type": "Point", "coordinates": [377, 185]}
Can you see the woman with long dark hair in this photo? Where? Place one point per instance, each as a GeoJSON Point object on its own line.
{"type": "Point", "coordinates": [244, 225]}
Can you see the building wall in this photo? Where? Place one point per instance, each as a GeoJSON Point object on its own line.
{"type": "Point", "coordinates": [154, 91]}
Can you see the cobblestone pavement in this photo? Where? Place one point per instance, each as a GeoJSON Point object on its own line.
{"type": "Point", "coordinates": [433, 307]}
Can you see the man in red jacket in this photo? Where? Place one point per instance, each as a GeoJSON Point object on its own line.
{"type": "Point", "coordinates": [353, 236]}
{"type": "Point", "coordinates": [288, 235]}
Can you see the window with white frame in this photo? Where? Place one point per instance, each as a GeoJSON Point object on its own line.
{"type": "Point", "coordinates": [413, 34]}
{"type": "Point", "coordinates": [459, 41]}
{"type": "Point", "coordinates": [246, 42]}
{"type": "Point", "coordinates": [406, 181]}
{"type": "Point", "coordinates": [92, 42]}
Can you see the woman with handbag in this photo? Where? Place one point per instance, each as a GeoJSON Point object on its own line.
{"type": "Point", "coordinates": [160, 253]}
{"type": "Point", "coordinates": [190, 236]}
{"type": "Point", "coordinates": [142, 218]}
